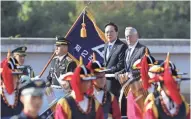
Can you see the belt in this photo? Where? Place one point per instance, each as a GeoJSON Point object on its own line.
{"type": "Point", "coordinates": [56, 86]}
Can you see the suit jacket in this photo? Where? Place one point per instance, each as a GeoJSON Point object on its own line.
{"type": "Point", "coordinates": [115, 62]}
{"type": "Point", "coordinates": [138, 53]}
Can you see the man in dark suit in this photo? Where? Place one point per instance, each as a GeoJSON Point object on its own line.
{"type": "Point", "coordinates": [114, 53]}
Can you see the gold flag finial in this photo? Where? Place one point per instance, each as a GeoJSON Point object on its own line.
{"type": "Point", "coordinates": [168, 58]}
{"type": "Point", "coordinates": [146, 52]}
{"type": "Point", "coordinates": [83, 32]}
{"type": "Point", "coordinates": [8, 54]}
{"type": "Point", "coordinates": [81, 61]}
{"type": "Point", "coordinates": [94, 57]}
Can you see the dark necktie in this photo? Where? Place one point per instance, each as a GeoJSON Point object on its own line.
{"type": "Point", "coordinates": [110, 47]}
{"type": "Point", "coordinates": [129, 53]}
{"type": "Point", "coordinates": [108, 51]}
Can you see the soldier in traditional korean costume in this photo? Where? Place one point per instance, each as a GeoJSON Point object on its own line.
{"type": "Point", "coordinates": [165, 102]}
{"type": "Point", "coordinates": [99, 92]}
{"type": "Point", "coordinates": [78, 105]}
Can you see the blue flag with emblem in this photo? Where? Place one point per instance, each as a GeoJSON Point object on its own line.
{"type": "Point", "coordinates": [86, 38]}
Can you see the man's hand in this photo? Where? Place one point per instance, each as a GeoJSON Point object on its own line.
{"type": "Point", "coordinates": [117, 75]}
{"type": "Point", "coordinates": [65, 85]}
{"type": "Point", "coordinates": [123, 77]}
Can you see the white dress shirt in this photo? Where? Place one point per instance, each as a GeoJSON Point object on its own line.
{"type": "Point", "coordinates": [98, 95]}
{"type": "Point", "coordinates": [108, 52]}
{"type": "Point", "coordinates": [132, 49]}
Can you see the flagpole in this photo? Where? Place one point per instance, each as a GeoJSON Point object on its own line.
{"type": "Point", "coordinates": [70, 55]}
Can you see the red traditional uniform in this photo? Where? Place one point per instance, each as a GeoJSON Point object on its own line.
{"type": "Point", "coordinates": [78, 105]}
{"type": "Point", "coordinates": [105, 98]}
{"type": "Point", "coordinates": [166, 102]}
{"type": "Point", "coordinates": [137, 94]}
{"type": "Point", "coordinates": [10, 102]}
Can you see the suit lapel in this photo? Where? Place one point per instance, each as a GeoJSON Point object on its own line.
{"type": "Point", "coordinates": [135, 51]}
{"type": "Point", "coordinates": [105, 53]}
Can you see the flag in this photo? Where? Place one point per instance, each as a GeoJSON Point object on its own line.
{"type": "Point", "coordinates": [7, 76]}
{"type": "Point", "coordinates": [144, 72]}
{"type": "Point", "coordinates": [170, 83]}
{"type": "Point", "coordinates": [92, 40]}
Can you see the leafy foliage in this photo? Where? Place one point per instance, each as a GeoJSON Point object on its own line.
{"type": "Point", "coordinates": [152, 19]}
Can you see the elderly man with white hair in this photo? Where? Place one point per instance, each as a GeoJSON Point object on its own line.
{"type": "Point", "coordinates": [134, 52]}
{"type": "Point", "coordinates": [135, 49]}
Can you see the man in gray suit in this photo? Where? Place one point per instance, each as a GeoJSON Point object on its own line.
{"type": "Point", "coordinates": [135, 49]}
{"type": "Point", "coordinates": [114, 53]}
{"type": "Point", "coordinates": [134, 52]}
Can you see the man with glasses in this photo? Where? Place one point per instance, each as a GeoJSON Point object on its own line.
{"type": "Point", "coordinates": [135, 49]}
{"type": "Point", "coordinates": [114, 52]}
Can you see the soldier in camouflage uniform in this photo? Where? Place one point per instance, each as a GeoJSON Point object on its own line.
{"type": "Point", "coordinates": [60, 65]}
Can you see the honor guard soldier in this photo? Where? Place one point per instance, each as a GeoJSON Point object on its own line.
{"type": "Point", "coordinates": [99, 92]}
{"type": "Point", "coordinates": [32, 99]}
{"type": "Point", "coordinates": [60, 65]}
{"type": "Point", "coordinates": [20, 54]}
{"type": "Point", "coordinates": [136, 87]}
{"type": "Point", "coordinates": [78, 105]}
{"type": "Point", "coordinates": [165, 102]}
{"type": "Point", "coordinates": [9, 89]}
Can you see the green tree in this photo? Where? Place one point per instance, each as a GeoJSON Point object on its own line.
{"type": "Point", "coordinates": [152, 19]}
{"type": "Point", "coordinates": [9, 19]}
{"type": "Point", "coordinates": [45, 18]}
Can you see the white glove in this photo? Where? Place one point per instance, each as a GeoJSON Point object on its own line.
{"type": "Point", "coordinates": [24, 78]}
{"type": "Point", "coordinates": [36, 78]}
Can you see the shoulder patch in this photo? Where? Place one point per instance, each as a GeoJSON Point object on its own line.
{"type": "Point", "coordinates": [69, 59]}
